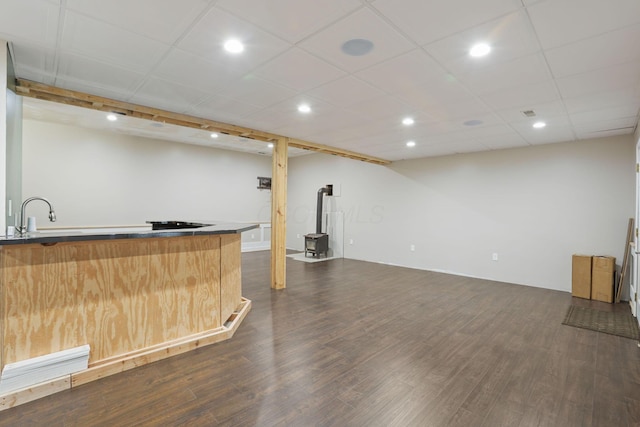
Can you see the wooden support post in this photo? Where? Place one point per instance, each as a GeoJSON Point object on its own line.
{"type": "Point", "coordinates": [279, 214]}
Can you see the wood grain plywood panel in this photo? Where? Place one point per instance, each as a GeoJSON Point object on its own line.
{"type": "Point", "coordinates": [113, 299]}
{"type": "Point", "coordinates": [39, 292]}
{"type": "Point", "coordinates": [185, 273]}
{"type": "Point", "coordinates": [230, 275]}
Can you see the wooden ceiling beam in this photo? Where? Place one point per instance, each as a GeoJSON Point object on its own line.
{"type": "Point", "coordinates": [36, 90]}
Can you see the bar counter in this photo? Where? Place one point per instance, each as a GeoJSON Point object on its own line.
{"type": "Point", "coordinates": [133, 296]}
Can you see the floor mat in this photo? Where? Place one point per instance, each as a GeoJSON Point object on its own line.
{"type": "Point", "coordinates": [620, 323]}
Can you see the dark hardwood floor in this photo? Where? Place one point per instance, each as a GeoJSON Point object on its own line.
{"type": "Point", "coordinates": [351, 343]}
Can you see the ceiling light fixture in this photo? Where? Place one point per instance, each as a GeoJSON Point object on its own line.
{"type": "Point", "coordinates": [480, 49]}
{"type": "Point", "coordinates": [214, 135]}
{"type": "Point", "coordinates": [357, 47]}
{"type": "Point", "coordinates": [233, 46]}
{"type": "Point", "coordinates": [304, 108]}
{"type": "Point", "coordinates": [539, 125]}
{"type": "Point", "coordinates": [270, 145]}
{"type": "Point", "coordinates": [411, 144]}
{"type": "Point", "coordinates": [408, 121]}
{"type": "Point", "coordinates": [112, 117]}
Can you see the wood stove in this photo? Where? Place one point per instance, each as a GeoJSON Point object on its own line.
{"type": "Point", "coordinates": [318, 243]}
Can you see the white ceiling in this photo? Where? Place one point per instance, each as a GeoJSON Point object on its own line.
{"type": "Point", "coordinates": [576, 63]}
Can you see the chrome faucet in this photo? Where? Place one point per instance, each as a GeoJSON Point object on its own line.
{"type": "Point", "coordinates": [52, 214]}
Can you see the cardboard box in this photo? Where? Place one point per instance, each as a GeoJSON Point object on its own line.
{"type": "Point", "coordinates": [602, 278]}
{"type": "Point", "coordinates": [581, 276]}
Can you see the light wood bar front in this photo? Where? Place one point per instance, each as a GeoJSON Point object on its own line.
{"type": "Point", "coordinates": [134, 301]}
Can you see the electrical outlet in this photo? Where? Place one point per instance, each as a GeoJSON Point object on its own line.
{"type": "Point", "coordinates": [298, 235]}
{"type": "Point", "coordinates": [253, 236]}
{"type": "Point", "coordinates": [412, 248]}
{"type": "Point", "coordinates": [351, 241]}
{"type": "Point", "coordinates": [494, 256]}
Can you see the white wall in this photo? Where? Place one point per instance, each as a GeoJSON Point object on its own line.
{"type": "Point", "coordinates": [533, 206]}
{"type": "Point", "coordinates": [3, 132]}
{"type": "Point", "coordinates": [102, 178]}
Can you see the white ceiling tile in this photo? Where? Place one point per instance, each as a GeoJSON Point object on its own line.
{"type": "Point", "coordinates": [346, 91]}
{"type": "Point", "coordinates": [591, 60]}
{"type": "Point", "coordinates": [439, 96]}
{"type": "Point", "coordinates": [167, 95]}
{"type": "Point", "coordinates": [452, 147]}
{"type": "Point", "coordinates": [163, 20]}
{"type": "Point", "coordinates": [308, 126]}
{"type": "Point", "coordinates": [338, 136]}
{"type": "Point", "coordinates": [562, 134]}
{"type": "Point", "coordinates": [207, 37]}
{"type": "Point", "coordinates": [553, 122]}
{"type": "Point", "coordinates": [603, 80]}
{"type": "Point", "coordinates": [289, 107]}
{"type": "Point", "coordinates": [488, 130]}
{"type": "Point", "coordinates": [32, 60]}
{"type": "Point", "coordinates": [194, 71]}
{"type": "Point", "coordinates": [252, 90]}
{"type": "Point", "coordinates": [291, 20]}
{"type": "Point", "coordinates": [382, 107]}
{"type": "Point", "coordinates": [221, 108]}
{"type": "Point", "coordinates": [382, 138]}
{"type": "Point", "coordinates": [90, 87]}
{"type": "Point", "coordinates": [417, 78]}
{"type": "Point", "coordinates": [522, 96]}
{"type": "Point", "coordinates": [504, 140]}
{"type": "Point", "coordinates": [461, 147]}
{"type": "Point", "coordinates": [363, 24]}
{"type": "Point", "coordinates": [32, 21]}
{"type": "Point", "coordinates": [266, 118]}
{"type": "Point", "coordinates": [565, 21]}
{"type": "Point", "coordinates": [629, 97]}
{"type": "Point", "coordinates": [509, 36]}
{"type": "Point", "coordinates": [594, 53]}
{"type": "Point", "coordinates": [426, 21]}
{"type": "Point", "coordinates": [78, 68]}
{"type": "Point", "coordinates": [453, 130]}
{"type": "Point", "coordinates": [103, 42]}
{"type": "Point", "coordinates": [547, 109]}
{"type": "Point", "coordinates": [467, 109]}
{"type": "Point", "coordinates": [607, 114]}
{"type": "Point", "coordinates": [626, 124]}
{"type": "Point", "coordinates": [602, 134]}
{"type": "Point", "coordinates": [558, 129]}
{"type": "Point", "coordinates": [526, 70]}
{"type": "Point", "coordinates": [298, 70]}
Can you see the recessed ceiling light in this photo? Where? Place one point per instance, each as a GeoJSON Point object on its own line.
{"type": "Point", "coordinates": [214, 135]}
{"type": "Point", "coordinates": [539, 125]}
{"type": "Point", "coordinates": [304, 108]}
{"type": "Point", "coordinates": [474, 122]}
{"type": "Point", "coordinates": [357, 47]}
{"type": "Point", "coordinates": [480, 49]}
{"type": "Point", "coordinates": [233, 46]}
{"type": "Point", "coordinates": [411, 144]}
{"type": "Point", "coordinates": [270, 145]}
{"type": "Point", "coordinates": [112, 117]}
{"type": "Point", "coordinates": [408, 121]}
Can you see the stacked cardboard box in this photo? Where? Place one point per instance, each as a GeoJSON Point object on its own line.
{"type": "Point", "coordinates": [592, 277]}
{"type": "Point", "coordinates": [581, 276]}
{"type": "Point", "coordinates": [602, 278]}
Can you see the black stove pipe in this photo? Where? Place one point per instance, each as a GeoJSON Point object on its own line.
{"type": "Point", "coordinates": [321, 192]}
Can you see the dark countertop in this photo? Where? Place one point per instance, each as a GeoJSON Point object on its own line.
{"type": "Point", "coordinates": [50, 237]}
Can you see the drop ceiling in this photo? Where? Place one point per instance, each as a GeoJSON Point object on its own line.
{"type": "Point", "coordinates": [575, 63]}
